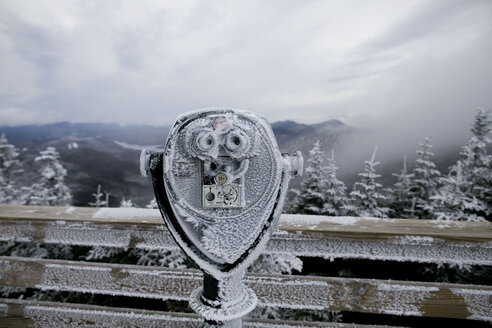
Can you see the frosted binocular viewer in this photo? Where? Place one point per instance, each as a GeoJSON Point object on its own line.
{"type": "Point", "coordinates": [220, 184]}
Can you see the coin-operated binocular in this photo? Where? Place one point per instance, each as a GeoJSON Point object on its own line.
{"type": "Point", "coordinates": [220, 185]}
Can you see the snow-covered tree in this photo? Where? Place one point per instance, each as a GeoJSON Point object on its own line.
{"type": "Point", "coordinates": [425, 182]}
{"type": "Point", "coordinates": [53, 177]}
{"type": "Point", "coordinates": [126, 203]}
{"type": "Point", "coordinates": [51, 188]}
{"type": "Point", "coordinates": [476, 164]}
{"type": "Point", "coordinates": [98, 202]}
{"type": "Point", "coordinates": [400, 198]}
{"type": "Point", "coordinates": [10, 168]}
{"type": "Point", "coordinates": [276, 264]}
{"type": "Point", "coordinates": [311, 197]}
{"type": "Point", "coordinates": [453, 202]}
{"type": "Point", "coordinates": [366, 198]}
{"type": "Point", "coordinates": [36, 194]}
{"type": "Point", "coordinates": [152, 204]}
{"type": "Point", "coordinates": [335, 190]}
{"type": "Point", "coordinates": [174, 258]}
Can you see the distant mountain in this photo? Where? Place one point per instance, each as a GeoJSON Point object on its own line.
{"type": "Point", "coordinates": [285, 130]}
{"type": "Point", "coordinates": [142, 135]}
{"type": "Point", "coordinates": [292, 136]}
{"type": "Point", "coordinates": [108, 154]}
{"type": "Point", "coordinates": [134, 134]}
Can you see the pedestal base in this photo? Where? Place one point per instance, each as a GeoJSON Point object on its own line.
{"type": "Point", "coordinates": [245, 304]}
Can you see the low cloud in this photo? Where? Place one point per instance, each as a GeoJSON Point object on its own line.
{"type": "Point", "coordinates": [21, 116]}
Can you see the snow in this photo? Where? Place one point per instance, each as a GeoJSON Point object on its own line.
{"type": "Point", "coordinates": [227, 312]}
{"type": "Point", "coordinates": [49, 316]}
{"type": "Point", "coordinates": [478, 302]}
{"type": "Point", "coordinates": [403, 299]}
{"type": "Point", "coordinates": [320, 293]}
{"type": "Point", "coordinates": [422, 249]}
{"type": "Point", "coordinates": [10, 169]}
{"type": "Point", "coordinates": [119, 281]}
{"type": "Point", "coordinates": [3, 309]}
{"type": "Point", "coordinates": [424, 182]}
{"type": "Point", "coordinates": [241, 146]}
{"type": "Point", "coordinates": [128, 214]}
{"type": "Point", "coordinates": [366, 197]}
{"type": "Point", "coordinates": [313, 221]}
{"type": "Point", "coordinates": [138, 147]}
{"type": "Point", "coordinates": [73, 145]}
{"type": "Point", "coordinates": [70, 210]}
{"type": "Point", "coordinates": [236, 151]}
{"type": "Point", "coordinates": [50, 189]}
{"type": "Point", "coordinates": [96, 236]}
{"type": "Point", "coordinates": [417, 240]}
{"type": "Point", "coordinates": [329, 244]}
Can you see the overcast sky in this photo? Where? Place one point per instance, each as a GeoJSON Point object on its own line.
{"type": "Point", "coordinates": [399, 64]}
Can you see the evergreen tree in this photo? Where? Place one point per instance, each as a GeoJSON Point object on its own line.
{"type": "Point", "coordinates": [53, 177]}
{"type": "Point", "coordinates": [335, 190]}
{"type": "Point", "coordinates": [366, 198]}
{"type": "Point", "coordinates": [453, 201]}
{"type": "Point", "coordinates": [311, 197]}
{"type": "Point", "coordinates": [152, 204]}
{"type": "Point", "coordinates": [400, 198]}
{"type": "Point", "coordinates": [10, 168]}
{"type": "Point", "coordinates": [425, 182]}
{"type": "Point", "coordinates": [476, 164]}
{"type": "Point", "coordinates": [51, 188]}
{"type": "Point", "coordinates": [127, 203]}
{"type": "Point", "coordinates": [276, 264]}
{"type": "Point", "coordinates": [36, 194]}
{"type": "Point", "coordinates": [98, 202]}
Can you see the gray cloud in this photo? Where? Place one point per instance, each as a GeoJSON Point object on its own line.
{"type": "Point", "coordinates": [429, 17]}
{"type": "Point", "coordinates": [381, 64]}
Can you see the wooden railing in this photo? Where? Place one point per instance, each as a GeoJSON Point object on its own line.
{"type": "Point", "coordinates": [310, 236]}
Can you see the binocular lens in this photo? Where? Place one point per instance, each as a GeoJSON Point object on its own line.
{"type": "Point", "coordinates": [236, 141]}
{"type": "Point", "coordinates": [205, 141]}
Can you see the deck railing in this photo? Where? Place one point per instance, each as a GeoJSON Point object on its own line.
{"type": "Point", "coordinates": [460, 243]}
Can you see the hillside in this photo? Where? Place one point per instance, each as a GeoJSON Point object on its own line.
{"type": "Point", "coordinates": [108, 154]}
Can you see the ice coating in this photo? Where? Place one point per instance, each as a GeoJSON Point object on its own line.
{"type": "Point", "coordinates": [209, 137]}
{"type": "Point", "coordinates": [224, 313]}
{"type": "Point", "coordinates": [223, 186]}
{"type": "Point", "coordinates": [403, 300]}
{"type": "Point", "coordinates": [222, 150]}
{"type": "Point", "coordinates": [301, 292]}
{"type": "Point", "coordinates": [313, 221]}
{"type": "Point", "coordinates": [69, 316]}
{"type": "Point", "coordinates": [478, 302]}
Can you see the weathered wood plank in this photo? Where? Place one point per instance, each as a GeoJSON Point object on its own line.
{"type": "Point", "coordinates": [82, 214]}
{"type": "Point", "coordinates": [329, 237]}
{"type": "Point", "coordinates": [20, 313]}
{"type": "Point", "coordinates": [288, 222]}
{"type": "Point", "coordinates": [298, 292]}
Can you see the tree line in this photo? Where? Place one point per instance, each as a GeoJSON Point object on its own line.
{"type": "Point", "coordinates": [464, 194]}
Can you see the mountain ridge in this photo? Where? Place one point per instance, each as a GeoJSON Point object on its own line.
{"type": "Point", "coordinates": [108, 154]}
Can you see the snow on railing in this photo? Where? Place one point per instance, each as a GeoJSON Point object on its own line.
{"type": "Point", "coordinates": [302, 235]}
{"type": "Point", "coordinates": [422, 241]}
